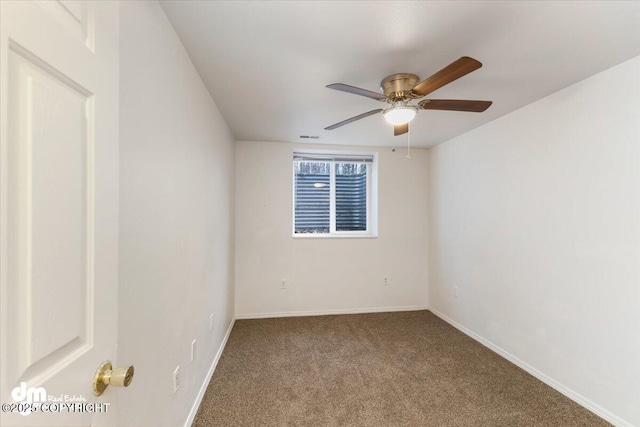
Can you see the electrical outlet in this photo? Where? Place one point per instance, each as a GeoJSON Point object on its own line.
{"type": "Point", "coordinates": [283, 284]}
{"type": "Point", "coordinates": [176, 379]}
{"type": "Point", "coordinates": [193, 350]}
{"type": "Point", "coordinates": [386, 281]}
{"type": "Point", "coordinates": [211, 322]}
{"type": "Point", "coordinates": [455, 291]}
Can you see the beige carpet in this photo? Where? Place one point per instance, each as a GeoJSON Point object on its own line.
{"type": "Point", "coordinates": [388, 369]}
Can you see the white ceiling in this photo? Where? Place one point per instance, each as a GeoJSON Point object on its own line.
{"type": "Point", "coordinates": [266, 64]}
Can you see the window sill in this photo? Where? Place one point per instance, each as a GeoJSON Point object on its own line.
{"type": "Point", "coordinates": [334, 236]}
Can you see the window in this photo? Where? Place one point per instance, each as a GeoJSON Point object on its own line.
{"type": "Point", "coordinates": [334, 194]}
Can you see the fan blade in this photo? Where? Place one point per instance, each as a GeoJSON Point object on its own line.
{"type": "Point", "coordinates": [400, 129]}
{"type": "Point", "coordinates": [353, 119]}
{"type": "Point", "coordinates": [454, 105]}
{"type": "Point", "coordinates": [358, 91]}
{"type": "Point", "coordinates": [451, 72]}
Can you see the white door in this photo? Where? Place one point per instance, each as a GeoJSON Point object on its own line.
{"type": "Point", "coordinates": [59, 208]}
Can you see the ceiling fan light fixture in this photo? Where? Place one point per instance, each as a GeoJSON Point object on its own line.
{"type": "Point", "coordinates": [400, 114]}
{"type": "Point", "coordinates": [400, 90]}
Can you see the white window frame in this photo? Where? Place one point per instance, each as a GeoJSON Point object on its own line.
{"type": "Point", "coordinates": [372, 194]}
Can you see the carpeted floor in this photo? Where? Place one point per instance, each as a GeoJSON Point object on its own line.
{"type": "Point", "coordinates": [387, 369]}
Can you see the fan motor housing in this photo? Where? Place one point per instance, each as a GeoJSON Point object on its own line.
{"type": "Point", "coordinates": [398, 84]}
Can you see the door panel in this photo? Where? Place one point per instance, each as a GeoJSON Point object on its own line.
{"type": "Point", "coordinates": [47, 211]}
{"type": "Point", "coordinates": [75, 16]}
{"type": "Point", "coordinates": [59, 210]}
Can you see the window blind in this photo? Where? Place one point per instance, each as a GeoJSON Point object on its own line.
{"type": "Point", "coordinates": [347, 158]}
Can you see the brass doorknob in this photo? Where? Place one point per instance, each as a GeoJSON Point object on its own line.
{"type": "Point", "coordinates": [106, 375]}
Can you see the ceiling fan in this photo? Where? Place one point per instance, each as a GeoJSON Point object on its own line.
{"type": "Point", "coordinates": [400, 90]}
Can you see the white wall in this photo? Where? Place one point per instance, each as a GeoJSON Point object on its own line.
{"type": "Point", "coordinates": [536, 218]}
{"type": "Point", "coordinates": [327, 274]}
{"type": "Point", "coordinates": [176, 217]}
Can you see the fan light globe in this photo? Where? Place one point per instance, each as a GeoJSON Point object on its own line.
{"type": "Point", "coordinates": [400, 115]}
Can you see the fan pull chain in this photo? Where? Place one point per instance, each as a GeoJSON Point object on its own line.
{"type": "Point", "coordinates": [409, 143]}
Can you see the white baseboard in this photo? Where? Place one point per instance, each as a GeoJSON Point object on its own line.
{"type": "Point", "coordinates": [205, 384]}
{"type": "Point", "coordinates": [329, 312]}
{"type": "Point", "coordinates": [576, 397]}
